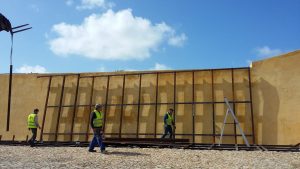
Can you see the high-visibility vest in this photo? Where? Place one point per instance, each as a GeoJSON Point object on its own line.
{"type": "Point", "coordinates": [30, 121]}
{"type": "Point", "coordinates": [169, 120]}
{"type": "Point", "coordinates": [97, 122]}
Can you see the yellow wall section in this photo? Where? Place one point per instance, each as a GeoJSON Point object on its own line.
{"type": "Point", "coordinates": [275, 94]}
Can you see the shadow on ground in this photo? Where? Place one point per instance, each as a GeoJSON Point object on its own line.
{"type": "Point", "coordinates": [118, 153]}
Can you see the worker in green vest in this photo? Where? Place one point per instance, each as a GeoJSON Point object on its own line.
{"type": "Point", "coordinates": [96, 122]}
{"type": "Point", "coordinates": [33, 124]}
{"type": "Point", "coordinates": [168, 123]}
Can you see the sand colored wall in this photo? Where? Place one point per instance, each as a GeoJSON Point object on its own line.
{"type": "Point", "coordinates": [30, 92]}
{"type": "Point", "coordinates": [27, 94]}
{"type": "Point", "coordinates": [275, 93]}
{"type": "Point", "coordinates": [276, 96]}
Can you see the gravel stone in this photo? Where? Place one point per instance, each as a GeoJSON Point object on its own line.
{"type": "Point", "coordinates": [79, 157]}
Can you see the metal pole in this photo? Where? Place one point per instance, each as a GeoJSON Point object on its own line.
{"type": "Point", "coordinates": [174, 105]}
{"type": "Point", "coordinates": [213, 106]}
{"type": "Point", "coordinates": [106, 101]}
{"type": "Point", "coordinates": [193, 107]}
{"type": "Point", "coordinates": [121, 116]}
{"type": "Point", "coordinates": [74, 107]}
{"type": "Point", "coordinates": [233, 99]}
{"type": "Point", "coordinates": [45, 108]}
{"type": "Point", "coordinates": [60, 106]}
{"type": "Point", "coordinates": [156, 99]}
{"type": "Point", "coordinates": [251, 104]}
{"type": "Point", "coordinates": [139, 105]}
{"type": "Point", "coordinates": [9, 97]}
{"type": "Point", "coordinates": [90, 110]}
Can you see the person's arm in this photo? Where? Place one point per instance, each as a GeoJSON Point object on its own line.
{"type": "Point", "coordinates": [165, 119]}
{"type": "Point", "coordinates": [36, 121]}
{"type": "Point", "coordinates": [93, 116]}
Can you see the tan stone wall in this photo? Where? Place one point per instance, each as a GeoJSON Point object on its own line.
{"type": "Point", "coordinates": [32, 92]}
{"type": "Point", "coordinates": [276, 98]}
{"type": "Point", "coordinates": [28, 92]}
{"type": "Point", "coordinates": [275, 89]}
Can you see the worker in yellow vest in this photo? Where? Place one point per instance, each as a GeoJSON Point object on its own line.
{"type": "Point", "coordinates": [168, 123]}
{"type": "Point", "coordinates": [33, 124]}
{"type": "Point", "coordinates": [96, 122]}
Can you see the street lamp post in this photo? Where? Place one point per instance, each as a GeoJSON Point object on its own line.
{"type": "Point", "coordinates": [6, 25]}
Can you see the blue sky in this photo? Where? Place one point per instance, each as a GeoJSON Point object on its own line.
{"type": "Point", "coordinates": [110, 35]}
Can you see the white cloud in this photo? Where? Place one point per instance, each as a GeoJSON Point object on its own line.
{"type": "Point", "coordinates": [159, 66]}
{"type": "Point", "coordinates": [112, 36]}
{"type": "Point", "coordinates": [31, 69]}
{"type": "Point", "coordinates": [267, 52]}
{"type": "Point", "coordinates": [69, 2]}
{"type": "Point", "coordinates": [102, 69]}
{"type": "Point", "coordinates": [177, 40]}
{"type": "Point", "coordinates": [91, 4]}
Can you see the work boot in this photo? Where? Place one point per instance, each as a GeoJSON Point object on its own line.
{"type": "Point", "coordinates": [103, 151]}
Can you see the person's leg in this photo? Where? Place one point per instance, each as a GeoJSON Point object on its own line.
{"type": "Point", "coordinates": [102, 145]}
{"type": "Point", "coordinates": [30, 140]}
{"type": "Point", "coordinates": [170, 131]}
{"type": "Point", "coordinates": [166, 132]}
{"type": "Point", "coordinates": [34, 131]}
{"type": "Point", "coordinates": [99, 140]}
{"type": "Point", "coordinates": [93, 143]}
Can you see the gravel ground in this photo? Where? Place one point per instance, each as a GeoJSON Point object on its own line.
{"type": "Point", "coordinates": [78, 157]}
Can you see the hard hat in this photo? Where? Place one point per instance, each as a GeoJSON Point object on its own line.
{"type": "Point", "coordinates": [98, 106]}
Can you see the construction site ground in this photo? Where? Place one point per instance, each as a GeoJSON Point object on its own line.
{"type": "Point", "coordinates": [79, 157]}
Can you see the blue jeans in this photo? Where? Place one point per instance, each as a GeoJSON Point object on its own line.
{"type": "Point", "coordinates": [168, 129]}
{"type": "Point", "coordinates": [97, 140]}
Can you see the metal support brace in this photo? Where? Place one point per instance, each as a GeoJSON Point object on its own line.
{"type": "Point", "coordinates": [229, 110]}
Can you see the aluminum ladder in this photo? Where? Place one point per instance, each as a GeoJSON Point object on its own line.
{"type": "Point", "coordinates": [230, 111]}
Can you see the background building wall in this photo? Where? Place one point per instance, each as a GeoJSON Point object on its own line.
{"type": "Point", "coordinates": [275, 94]}
{"type": "Point", "coordinates": [276, 98]}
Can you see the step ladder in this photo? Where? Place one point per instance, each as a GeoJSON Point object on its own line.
{"type": "Point", "coordinates": [236, 122]}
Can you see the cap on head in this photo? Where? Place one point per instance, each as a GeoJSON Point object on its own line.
{"type": "Point", "coordinates": [97, 106]}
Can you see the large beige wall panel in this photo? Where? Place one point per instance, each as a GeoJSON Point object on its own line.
{"type": "Point", "coordinates": [276, 98]}
{"type": "Point", "coordinates": [99, 91]}
{"type": "Point", "coordinates": [67, 113]}
{"type": "Point", "coordinates": [3, 103]}
{"type": "Point", "coordinates": [147, 112]}
{"type": "Point", "coordinates": [26, 95]}
{"type": "Point", "coordinates": [147, 121]}
{"type": "Point", "coordinates": [203, 112]}
{"type": "Point", "coordinates": [184, 112]}
{"type": "Point", "coordinates": [81, 121]}
{"type": "Point", "coordinates": [129, 121]}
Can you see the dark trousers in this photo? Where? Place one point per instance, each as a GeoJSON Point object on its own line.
{"type": "Point", "coordinates": [97, 140]}
{"type": "Point", "coordinates": [33, 137]}
{"type": "Point", "coordinates": [168, 129]}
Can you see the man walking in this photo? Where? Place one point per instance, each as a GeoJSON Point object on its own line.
{"type": "Point", "coordinates": [168, 123]}
{"type": "Point", "coordinates": [96, 123]}
{"type": "Point", "coordinates": [33, 124]}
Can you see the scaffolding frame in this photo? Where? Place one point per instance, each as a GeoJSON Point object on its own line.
{"type": "Point", "coordinates": [139, 104]}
